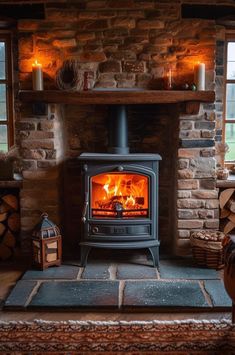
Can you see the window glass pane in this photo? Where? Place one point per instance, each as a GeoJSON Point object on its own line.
{"type": "Point", "coordinates": [3, 111]}
{"type": "Point", "coordinates": [2, 70]}
{"type": "Point", "coordinates": [231, 51]}
{"type": "Point", "coordinates": [3, 102]}
{"type": "Point", "coordinates": [231, 70]}
{"type": "Point", "coordinates": [3, 138]}
{"type": "Point", "coordinates": [230, 101]}
{"type": "Point", "coordinates": [230, 140]}
{"type": "Point", "coordinates": [2, 51]}
{"type": "Point", "coordinates": [2, 93]}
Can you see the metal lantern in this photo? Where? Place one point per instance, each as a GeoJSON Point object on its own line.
{"type": "Point", "coordinates": [46, 243]}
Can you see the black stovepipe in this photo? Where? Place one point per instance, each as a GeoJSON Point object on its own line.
{"type": "Point", "coordinates": [118, 130]}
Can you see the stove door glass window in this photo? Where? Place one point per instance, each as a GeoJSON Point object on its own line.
{"type": "Point", "coordinates": [120, 195]}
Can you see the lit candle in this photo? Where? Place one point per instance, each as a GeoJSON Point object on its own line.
{"type": "Point", "coordinates": [37, 75]}
{"type": "Point", "coordinates": [199, 75]}
{"type": "Point", "coordinates": [170, 78]}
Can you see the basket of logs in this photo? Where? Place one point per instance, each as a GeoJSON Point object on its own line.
{"type": "Point", "coordinates": [207, 248]}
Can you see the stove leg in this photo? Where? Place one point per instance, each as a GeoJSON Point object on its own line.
{"type": "Point", "coordinates": [84, 254]}
{"type": "Point", "coordinates": [155, 255]}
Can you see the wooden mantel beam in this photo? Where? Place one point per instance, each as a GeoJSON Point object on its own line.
{"type": "Point", "coordinates": [112, 97]}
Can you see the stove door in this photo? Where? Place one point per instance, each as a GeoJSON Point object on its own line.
{"type": "Point", "coordinates": [119, 195]}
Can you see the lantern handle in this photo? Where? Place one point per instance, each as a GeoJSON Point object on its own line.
{"type": "Point", "coordinates": [44, 215]}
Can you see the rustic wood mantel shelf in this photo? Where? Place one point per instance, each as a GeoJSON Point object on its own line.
{"type": "Point", "coordinates": [99, 97]}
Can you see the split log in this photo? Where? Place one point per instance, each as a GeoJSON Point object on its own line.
{"type": "Point", "coordinates": [225, 196]}
{"type": "Point", "coordinates": [229, 227]}
{"type": "Point", "coordinates": [3, 217]}
{"type": "Point", "coordinates": [224, 213]}
{"type": "Point", "coordinates": [11, 200]}
{"type": "Point", "coordinates": [231, 217]}
{"type": "Point", "coordinates": [5, 252]}
{"type": "Point", "coordinates": [9, 223]}
{"type": "Point", "coordinates": [9, 239]}
{"type": "Point", "coordinates": [14, 222]}
{"type": "Point", "coordinates": [227, 209]}
{"type": "Point", "coordinates": [4, 207]}
{"type": "Point", "coordinates": [2, 229]}
{"type": "Point", "coordinates": [231, 204]}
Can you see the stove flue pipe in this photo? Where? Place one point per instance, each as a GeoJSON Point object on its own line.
{"type": "Point", "coordinates": [118, 130]}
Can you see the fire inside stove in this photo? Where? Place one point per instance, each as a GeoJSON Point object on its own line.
{"type": "Point", "coordinates": [119, 195]}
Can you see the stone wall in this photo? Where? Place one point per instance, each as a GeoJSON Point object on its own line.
{"type": "Point", "coordinates": [197, 195]}
{"type": "Point", "coordinates": [122, 44]}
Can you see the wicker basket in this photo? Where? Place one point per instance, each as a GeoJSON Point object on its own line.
{"type": "Point", "coordinates": [207, 248]}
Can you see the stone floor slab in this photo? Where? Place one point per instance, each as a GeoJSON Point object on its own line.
{"type": "Point", "coordinates": [178, 286]}
{"type": "Point", "coordinates": [20, 294]}
{"type": "Point", "coordinates": [217, 292]}
{"type": "Point", "coordinates": [76, 294]}
{"type": "Point", "coordinates": [185, 269]}
{"type": "Point", "coordinates": [96, 271]}
{"type": "Point", "coordinates": [120, 256]}
{"type": "Point", "coordinates": [62, 272]}
{"type": "Point", "coordinates": [130, 271]}
{"type": "Point", "coordinates": [163, 294]}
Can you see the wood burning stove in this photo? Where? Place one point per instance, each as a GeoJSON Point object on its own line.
{"type": "Point", "coordinates": [120, 195]}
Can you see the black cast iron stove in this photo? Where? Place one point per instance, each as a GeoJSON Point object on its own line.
{"type": "Point", "coordinates": [120, 194]}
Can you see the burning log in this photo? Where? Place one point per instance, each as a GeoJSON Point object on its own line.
{"type": "Point", "coordinates": [126, 202]}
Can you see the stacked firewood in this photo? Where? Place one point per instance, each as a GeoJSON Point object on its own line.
{"type": "Point", "coordinates": [9, 224]}
{"type": "Point", "coordinates": [227, 209]}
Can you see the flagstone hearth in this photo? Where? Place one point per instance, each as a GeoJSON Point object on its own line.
{"type": "Point", "coordinates": [177, 285]}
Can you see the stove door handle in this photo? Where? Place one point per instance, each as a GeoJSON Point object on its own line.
{"type": "Point", "coordinates": [84, 211]}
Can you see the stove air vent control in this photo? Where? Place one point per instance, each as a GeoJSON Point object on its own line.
{"type": "Point", "coordinates": [95, 230]}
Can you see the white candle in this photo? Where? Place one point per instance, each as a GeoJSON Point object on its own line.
{"type": "Point", "coordinates": [169, 79]}
{"type": "Point", "coordinates": [199, 75]}
{"type": "Point", "coordinates": [37, 76]}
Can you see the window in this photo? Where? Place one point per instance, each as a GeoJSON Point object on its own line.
{"type": "Point", "coordinates": [6, 93]}
{"type": "Point", "coordinates": [229, 116]}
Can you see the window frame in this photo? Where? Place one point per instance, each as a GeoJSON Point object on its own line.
{"type": "Point", "coordinates": [230, 37]}
{"type": "Point", "coordinates": [6, 37]}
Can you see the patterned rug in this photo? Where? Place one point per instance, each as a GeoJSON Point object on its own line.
{"type": "Point", "coordinates": [187, 337]}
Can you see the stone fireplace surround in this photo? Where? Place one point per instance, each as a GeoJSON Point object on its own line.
{"type": "Point", "coordinates": [125, 46]}
{"type": "Point", "coordinates": [187, 192]}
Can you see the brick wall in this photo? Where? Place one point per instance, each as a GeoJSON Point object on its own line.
{"type": "Point", "coordinates": [124, 44]}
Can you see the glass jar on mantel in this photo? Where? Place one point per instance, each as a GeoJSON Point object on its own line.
{"type": "Point", "coordinates": [46, 244]}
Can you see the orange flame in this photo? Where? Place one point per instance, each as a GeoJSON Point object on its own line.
{"type": "Point", "coordinates": [121, 191]}
{"type": "Point", "coordinates": [36, 64]}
